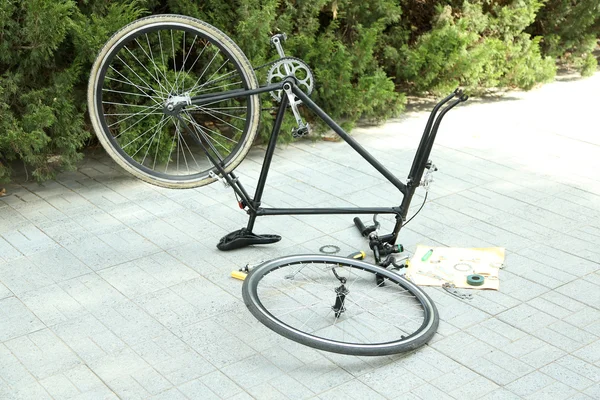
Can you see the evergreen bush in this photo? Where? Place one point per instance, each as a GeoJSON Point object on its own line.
{"type": "Point", "coordinates": [365, 55]}
{"type": "Point", "coordinates": [570, 31]}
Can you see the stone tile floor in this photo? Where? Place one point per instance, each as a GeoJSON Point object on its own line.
{"type": "Point", "coordinates": [112, 288]}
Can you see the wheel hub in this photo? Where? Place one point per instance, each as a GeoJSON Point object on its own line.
{"type": "Point", "coordinates": [175, 103]}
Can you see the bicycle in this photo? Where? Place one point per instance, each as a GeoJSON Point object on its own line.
{"type": "Point", "coordinates": [175, 102]}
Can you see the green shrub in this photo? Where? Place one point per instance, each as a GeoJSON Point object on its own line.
{"type": "Point", "coordinates": [570, 31]}
{"type": "Point", "coordinates": [46, 48]}
{"type": "Point", "coordinates": [364, 55]}
{"type": "Point", "coordinates": [476, 47]}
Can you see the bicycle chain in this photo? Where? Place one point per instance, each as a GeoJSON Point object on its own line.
{"type": "Point", "coordinates": [451, 288]}
{"type": "Point", "coordinates": [447, 286]}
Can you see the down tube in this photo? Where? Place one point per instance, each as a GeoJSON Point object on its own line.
{"type": "Point", "coordinates": [348, 139]}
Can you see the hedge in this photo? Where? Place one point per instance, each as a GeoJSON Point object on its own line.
{"type": "Point", "coordinates": [365, 55]}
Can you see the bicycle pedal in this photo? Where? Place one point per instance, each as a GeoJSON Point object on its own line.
{"type": "Point", "coordinates": [301, 131]}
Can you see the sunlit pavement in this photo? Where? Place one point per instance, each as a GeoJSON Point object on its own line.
{"type": "Point", "coordinates": [113, 288]}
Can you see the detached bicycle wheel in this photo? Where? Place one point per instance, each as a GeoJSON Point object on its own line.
{"type": "Point", "coordinates": [157, 59]}
{"type": "Point", "coordinates": [334, 304]}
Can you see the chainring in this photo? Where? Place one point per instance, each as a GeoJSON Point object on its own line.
{"type": "Point", "coordinates": [298, 69]}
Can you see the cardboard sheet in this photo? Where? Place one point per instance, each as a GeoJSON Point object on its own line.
{"type": "Point", "coordinates": [453, 265]}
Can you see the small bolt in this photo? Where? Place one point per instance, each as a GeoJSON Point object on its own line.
{"type": "Point", "coordinates": [170, 107]}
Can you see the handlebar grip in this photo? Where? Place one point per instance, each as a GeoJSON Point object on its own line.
{"type": "Point", "coordinates": [361, 227]}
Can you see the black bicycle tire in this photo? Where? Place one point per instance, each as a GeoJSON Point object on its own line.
{"type": "Point", "coordinates": [409, 343]}
{"type": "Point", "coordinates": [119, 156]}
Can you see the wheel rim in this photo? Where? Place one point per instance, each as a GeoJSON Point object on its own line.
{"type": "Point", "coordinates": [298, 296]}
{"type": "Point", "coordinates": [155, 63]}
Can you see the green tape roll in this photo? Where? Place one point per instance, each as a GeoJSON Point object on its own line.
{"type": "Point", "coordinates": [475, 280]}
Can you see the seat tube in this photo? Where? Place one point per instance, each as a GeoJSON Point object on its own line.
{"type": "Point", "coordinates": [260, 186]}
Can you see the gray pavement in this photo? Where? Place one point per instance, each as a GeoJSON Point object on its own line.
{"type": "Point", "coordinates": [112, 288]}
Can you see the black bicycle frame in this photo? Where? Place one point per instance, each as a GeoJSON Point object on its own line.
{"type": "Point", "coordinates": [253, 205]}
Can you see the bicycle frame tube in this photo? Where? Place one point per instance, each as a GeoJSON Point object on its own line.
{"type": "Point", "coordinates": [348, 139]}
{"type": "Point", "coordinates": [408, 189]}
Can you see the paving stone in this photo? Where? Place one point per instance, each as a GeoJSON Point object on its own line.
{"type": "Point", "coordinates": [589, 353]}
{"type": "Point", "coordinates": [291, 387]}
{"type": "Point", "coordinates": [530, 384]}
{"type": "Point", "coordinates": [252, 371]}
{"type": "Point", "coordinates": [146, 275]}
{"type": "Point", "coordinates": [184, 367]}
{"type": "Point", "coordinates": [197, 390]}
{"type": "Point", "coordinates": [329, 376]}
{"type": "Point", "coordinates": [580, 367]}
{"type": "Point", "coordinates": [22, 275]}
{"type": "Point", "coordinates": [549, 308]}
{"type": "Point", "coordinates": [542, 356]}
{"type": "Point", "coordinates": [563, 340]}
{"type": "Point", "coordinates": [153, 382]}
{"type": "Point", "coordinates": [131, 243]}
{"type": "Point", "coordinates": [476, 389]}
{"type": "Point", "coordinates": [502, 394]}
{"type": "Point", "coordinates": [52, 305]}
{"type": "Point", "coordinates": [527, 318]}
{"type": "Point", "coordinates": [428, 391]}
{"type": "Point", "coordinates": [28, 240]}
{"type": "Point", "coordinates": [117, 365]}
{"type": "Point", "coordinates": [583, 291]}
{"type": "Point", "coordinates": [593, 391]}
{"type": "Point", "coordinates": [130, 323]}
{"type": "Point", "coordinates": [557, 390]}
{"type": "Point", "coordinates": [96, 254]}
{"type": "Point", "coordinates": [350, 390]}
{"type": "Point", "coordinates": [454, 380]}
{"type": "Point", "coordinates": [87, 337]}
{"type": "Point", "coordinates": [520, 288]}
{"type": "Point", "coordinates": [17, 319]}
{"type": "Point", "coordinates": [59, 386]}
{"type": "Point", "coordinates": [4, 292]}
{"type": "Point", "coordinates": [59, 264]}
{"type": "Point", "coordinates": [220, 384]}
{"type": "Point", "coordinates": [28, 391]}
{"type": "Point", "coordinates": [12, 372]}
{"type": "Point", "coordinates": [8, 252]}
{"type": "Point", "coordinates": [216, 345]}
{"type": "Point", "coordinates": [492, 371]}
{"type": "Point", "coordinates": [126, 387]}
{"type": "Point", "coordinates": [567, 376]}
{"type": "Point", "coordinates": [43, 353]}
{"type": "Point", "coordinates": [92, 292]}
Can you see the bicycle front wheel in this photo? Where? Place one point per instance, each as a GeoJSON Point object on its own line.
{"type": "Point", "coordinates": [334, 304]}
{"type": "Point", "coordinates": [154, 61]}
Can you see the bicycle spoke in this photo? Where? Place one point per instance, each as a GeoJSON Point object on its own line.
{"type": "Point", "coordinates": [145, 69]}
{"type": "Point", "coordinates": [108, 78]}
{"type": "Point", "coordinates": [133, 115]}
{"type": "Point", "coordinates": [135, 73]}
{"type": "Point", "coordinates": [204, 71]}
{"type": "Point", "coordinates": [207, 138]}
{"type": "Point", "coordinates": [302, 295]}
{"type": "Point", "coordinates": [131, 126]}
{"type": "Point", "coordinates": [222, 120]}
{"type": "Point", "coordinates": [131, 94]}
{"type": "Point", "coordinates": [222, 77]}
{"type": "Point", "coordinates": [161, 124]}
